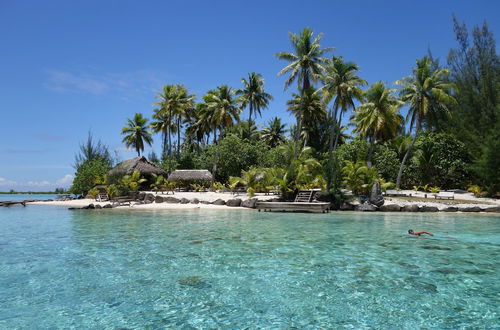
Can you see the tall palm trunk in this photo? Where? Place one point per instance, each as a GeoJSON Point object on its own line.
{"type": "Point", "coordinates": [403, 162]}
{"type": "Point", "coordinates": [338, 130]}
{"type": "Point", "coordinates": [249, 118]}
{"type": "Point", "coordinates": [178, 136]}
{"type": "Point", "coordinates": [371, 146]}
{"type": "Point", "coordinates": [216, 160]}
{"type": "Point", "coordinates": [330, 148]}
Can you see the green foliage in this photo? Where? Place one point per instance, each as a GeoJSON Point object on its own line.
{"type": "Point", "coordinates": [434, 190]}
{"type": "Point", "coordinates": [91, 150]}
{"type": "Point", "coordinates": [358, 177]}
{"type": "Point", "coordinates": [93, 193]}
{"type": "Point", "coordinates": [137, 133]}
{"type": "Point", "coordinates": [217, 186]}
{"type": "Point", "coordinates": [475, 189]}
{"type": "Point", "coordinates": [132, 182]}
{"type": "Point", "coordinates": [158, 182]}
{"type": "Point", "coordinates": [87, 173]}
{"type": "Point", "coordinates": [112, 190]}
{"type": "Point", "coordinates": [487, 167]}
{"type": "Point", "coordinates": [386, 160]}
{"type": "Point", "coordinates": [354, 151]}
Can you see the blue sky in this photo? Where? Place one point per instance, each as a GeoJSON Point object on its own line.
{"type": "Point", "coordinates": [67, 67]}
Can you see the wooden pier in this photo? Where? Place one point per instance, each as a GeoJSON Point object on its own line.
{"type": "Point", "coordinates": [315, 207]}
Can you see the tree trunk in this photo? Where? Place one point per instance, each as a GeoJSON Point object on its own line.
{"type": "Point", "coordinates": [400, 173]}
{"type": "Point", "coordinates": [297, 134]}
{"type": "Point", "coordinates": [178, 136]}
{"type": "Point", "coordinates": [338, 131]}
{"type": "Point", "coordinates": [249, 118]}
{"type": "Point", "coordinates": [329, 177]}
{"type": "Point", "coordinates": [371, 145]}
{"type": "Point", "coordinates": [214, 168]}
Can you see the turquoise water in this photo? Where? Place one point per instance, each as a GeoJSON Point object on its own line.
{"type": "Point", "coordinates": [236, 269]}
{"type": "Point", "coordinates": [22, 197]}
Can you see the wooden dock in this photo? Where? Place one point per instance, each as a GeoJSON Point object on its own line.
{"type": "Point", "coordinates": [315, 207]}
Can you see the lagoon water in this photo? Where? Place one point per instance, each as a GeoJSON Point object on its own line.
{"type": "Point", "coordinates": [241, 268]}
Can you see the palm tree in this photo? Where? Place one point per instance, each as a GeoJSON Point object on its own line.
{"type": "Point", "coordinates": [222, 110]}
{"type": "Point", "coordinates": [309, 106]}
{"type": "Point", "coordinates": [163, 125]}
{"type": "Point", "coordinates": [428, 95]}
{"type": "Point", "coordinates": [174, 100]}
{"type": "Point", "coordinates": [378, 118]}
{"type": "Point", "coordinates": [340, 81]}
{"type": "Point", "coordinates": [253, 95]}
{"type": "Point", "coordinates": [274, 133]}
{"type": "Point", "coordinates": [136, 133]}
{"type": "Point", "coordinates": [306, 64]}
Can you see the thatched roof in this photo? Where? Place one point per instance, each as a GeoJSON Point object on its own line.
{"type": "Point", "coordinates": [141, 164]}
{"type": "Point", "coordinates": [190, 175]}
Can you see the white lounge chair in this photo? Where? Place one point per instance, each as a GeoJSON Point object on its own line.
{"type": "Point", "coordinates": [445, 195]}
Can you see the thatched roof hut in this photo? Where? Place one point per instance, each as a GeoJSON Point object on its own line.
{"type": "Point", "coordinates": [190, 175]}
{"type": "Point", "coordinates": [141, 164]}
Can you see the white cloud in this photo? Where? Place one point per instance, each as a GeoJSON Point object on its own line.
{"type": "Point", "coordinates": [126, 83]}
{"type": "Point", "coordinates": [38, 183]}
{"type": "Point", "coordinates": [7, 183]}
{"type": "Point", "coordinates": [65, 180]}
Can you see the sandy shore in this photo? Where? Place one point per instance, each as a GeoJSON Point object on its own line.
{"type": "Point", "coordinates": [201, 196]}
{"type": "Point", "coordinates": [461, 201]}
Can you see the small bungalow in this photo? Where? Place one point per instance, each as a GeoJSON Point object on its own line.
{"type": "Point", "coordinates": [141, 164]}
{"type": "Point", "coordinates": [190, 176]}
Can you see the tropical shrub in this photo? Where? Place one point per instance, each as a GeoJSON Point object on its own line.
{"type": "Point", "coordinates": [132, 182]}
{"type": "Point", "coordinates": [358, 177]}
{"type": "Point", "coordinates": [87, 173]}
{"type": "Point", "coordinates": [93, 193]}
{"type": "Point", "coordinates": [112, 190]}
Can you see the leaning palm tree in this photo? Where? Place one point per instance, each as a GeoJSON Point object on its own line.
{"type": "Point", "coordinates": [274, 133]}
{"type": "Point", "coordinates": [253, 95]}
{"type": "Point", "coordinates": [306, 64]}
{"type": "Point", "coordinates": [136, 133]}
{"type": "Point", "coordinates": [378, 118]}
{"type": "Point", "coordinates": [428, 94]}
{"type": "Point", "coordinates": [309, 106]}
{"type": "Point", "coordinates": [222, 111]}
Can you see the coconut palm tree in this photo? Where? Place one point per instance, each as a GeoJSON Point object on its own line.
{"type": "Point", "coordinates": [274, 133]}
{"type": "Point", "coordinates": [222, 111]}
{"type": "Point", "coordinates": [428, 94]}
{"type": "Point", "coordinates": [136, 133]}
{"type": "Point", "coordinates": [306, 64]}
{"type": "Point", "coordinates": [253, 95]}
{"type": "Point", "coordinates": [174, 100]}
{"type": "Point", "coordinates": [309, 106]}
{"type": "Point", "coordinates": [378, 118]}
{"type": "Point", "coordinates": [342, 84]}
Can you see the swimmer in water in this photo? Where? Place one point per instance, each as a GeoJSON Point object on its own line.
{"type": "Point", "coordinates": [418, 233]}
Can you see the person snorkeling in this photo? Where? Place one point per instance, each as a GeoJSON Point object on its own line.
{"type": "Point", "coordinates": [419, 233]}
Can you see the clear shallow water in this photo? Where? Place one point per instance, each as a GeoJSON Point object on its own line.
{"type": "Point", "coordinates": [22, 197]}
{"type": "Point", "coordinates": [236, 269]}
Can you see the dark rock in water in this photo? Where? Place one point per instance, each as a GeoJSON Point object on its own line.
{"type": "Point", "coordinates": [147, 201]}
{"type": "Point", "coordinates": [141, 196]}
{"type": "Point", "coordinates": [249, 203]}
{"type": "Point", "coordinates": [410, 208]}
{"type": "Point", "coordinates": [450, 209]}
{"type": "Point", "coordinates": [429, 209]}
{"type": "Point", "coordinates": [158, 199]}
{"type": "Point", "coordinates": [347, 207]}
{"type": "Point", "coordinates": [171, 200]}
{"type": "Point", "coordinates": [390, 208]}
{"type": "Point", "coordinates": [365, 207]}
{"type": "Point", "coordinates": [98, 206]}
{"type": "Point", "coordinates": [219, 202]}
{"type": "Point", "coordinates": [433, 247]}
{"type": "Point", "coordinates": [376, 195]}
{"type": "Point", "coordinates": [205, 202]}
{"type": "Point", "coordinates": [494, 209]}
{"type": "Point", "coordinates": [470, 209]}
{"type": "Point", "coordinates": [195, 201]}
{"type": "Point", "coordinates": [91, 206]}
{"type": "Point", "coordinates": [73, 208]}
{"type": "Point", "coordinates": [193, 281]}
{"type": "Point", "coordinates": [185, 200]}
{"type": "Point", "coordinates": [107, 206]}
{"type": "Point", "coordinates": [234, 202]}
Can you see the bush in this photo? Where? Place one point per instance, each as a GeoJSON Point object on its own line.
{"type": "Point", "coordinates": [487, 167]}
{"type": "Point", "coordinates": [87, 173]}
